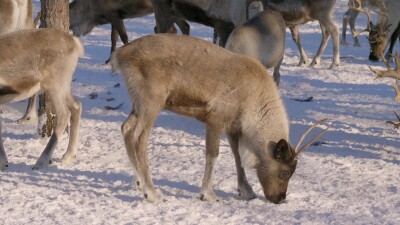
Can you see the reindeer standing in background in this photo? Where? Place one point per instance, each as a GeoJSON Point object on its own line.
{"type": "Point", "coordinates": [296, 12]}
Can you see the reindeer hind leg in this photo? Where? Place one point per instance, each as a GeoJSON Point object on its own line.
{"type": "Point", "coordinates": [75, 108]}
{"type": "Point", "coordinates": [60, 107]}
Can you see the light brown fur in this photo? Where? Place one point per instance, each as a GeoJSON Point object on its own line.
{"type": "Point", "coordinates": [230, 93]}
{"type": "Point", "coordinates": [43, 59]}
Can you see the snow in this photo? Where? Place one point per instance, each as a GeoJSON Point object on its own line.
{"type": "Point", "coordinates": [352, 178]}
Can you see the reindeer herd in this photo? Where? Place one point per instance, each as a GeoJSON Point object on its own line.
{"type": "Point", "coordinates": [229, 90]}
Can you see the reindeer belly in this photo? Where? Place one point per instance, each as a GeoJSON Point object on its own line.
{"type": "Point", "coordinates": [10, 93]}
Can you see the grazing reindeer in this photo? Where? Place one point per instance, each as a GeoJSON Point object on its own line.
{"type": "Point", "coordinates": [229, 92]}
{"type": "Point", "coordinates": [355, 7]}
{"type": "Point", "coordinates": [297, 12]}
{"type": "Point", "coordinates": [222, 15]}
{"type": "Point", "coordinates": [386, 29]}
{"type": "Point", "coordinates": [16, 15]}
{"type": "Point", "coordinates": [43, 59]}
{"type": "Point", "coordinates": [262, 37]}
{"type": "Point", "coordinates": [84, 15]}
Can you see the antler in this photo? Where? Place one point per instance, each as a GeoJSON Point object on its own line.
{"type": "Point", "coordinates": [397, 123]}
{"type": "Point", "coordinates": [392, 73]}
{"type": "Point", "coordinates": [359, 7]}
{"type": "Point", "coordinates": [371, 4]}
{"type": "Point", "coordinates": [312, 140]}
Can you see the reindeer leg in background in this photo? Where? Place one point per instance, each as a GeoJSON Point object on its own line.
{"type": "Point", "coordinates": [346, 18]}
{"type": "Point", "coordinates": [296, 38]}
{"type": "Point", "coordinates": [352, 23]}
{"type": "Point", "coordinates": [30, 116]}
{"type": "Point", "coordinates": [328, 29]}
{"type": "Point", "coordinates": [183, 26]}
{"type": "Point", "coordinates": [117, 28]}
{"type": "Point", "coordinates": [3, 156]}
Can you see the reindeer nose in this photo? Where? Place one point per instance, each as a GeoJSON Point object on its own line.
{"type": "Point", "coordinates": [277, 199]}
{"type": "Point", "coordinates": [373, 57]}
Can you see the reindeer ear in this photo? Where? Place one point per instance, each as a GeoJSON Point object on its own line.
{"type": "Point", "coordinates": [283, 152]}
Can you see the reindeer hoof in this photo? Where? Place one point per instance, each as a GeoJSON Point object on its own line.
{"type": "Point", "coordinates": [3, 166]}
{"type": "Point", "coordinates": [154, 197]}
{"type": "Point", "coordinates": [208, 196]}
{"type": "Point", "coordinates": [40, 165]}
{"type": "Point", "coordinates": [68, 158]}
{"type": "Point", "coordinates": [28, 120]}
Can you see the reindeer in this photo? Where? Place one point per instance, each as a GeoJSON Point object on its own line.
{"type": "Point", "coordinates": [262, 37]}
{"type": "Point", "coordinates": [297, 12]}
{"type": "Point", "coordinates": [387, 28]}
{"type": "Point", "coordinates": [86, 14]}
{"type": "Point", "coordinates": [228, 92]}
{"type": "Point", "coordinates": [16, 15]}
{"type": "Point", "coordinates": [355, 7]}
{"type": "Point", "coordinates": [222, 15]}
{"type": "Point", "coordinates": [43, 59]}
{"type": "Point", "coordinates": [391, 73]}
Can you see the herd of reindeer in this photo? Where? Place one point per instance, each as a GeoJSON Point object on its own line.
{"type": "Point", "coordinates": [219, 85]}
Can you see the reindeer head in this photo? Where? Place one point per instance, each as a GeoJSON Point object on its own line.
{"type": "Point", "coordinates": [377, 33]}
{"type": "Point", "coordinates": [274, 174]}
{"type": "Point", "coordinates": [377, 39]}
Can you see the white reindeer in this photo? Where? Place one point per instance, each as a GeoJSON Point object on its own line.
{"type": "Point", "coordinates": [229, 92]}
{"type": "Point", "coordinates": [262, 37]}
{"type": "Point", "coordinates": [43, 59]}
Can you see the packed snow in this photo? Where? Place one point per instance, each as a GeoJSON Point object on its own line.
{"type": "Point", "coordinates": [352, 177]}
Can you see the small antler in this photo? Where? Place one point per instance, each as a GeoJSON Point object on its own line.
{"type": "Point", "coordinates": [395, 124]}
{"type": "Point", "coordinates": [392, 73]}
{"type": "Point", "coordinates": [312, 140]}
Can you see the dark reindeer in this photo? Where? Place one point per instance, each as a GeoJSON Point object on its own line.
{"type": "Point", "coordinates": [229, 92]}
{"type": "Point", "coordinates": [387, 30]}
{"type": "Point", "coordinates": [222, 15]}
{"type": "Point", "coordinates": [84, 15]}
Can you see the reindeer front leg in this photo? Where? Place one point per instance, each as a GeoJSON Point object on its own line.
{"type": "Point", "coordinates": [244, 188]}
{"type": "Point", "coordinates": [212, 151]}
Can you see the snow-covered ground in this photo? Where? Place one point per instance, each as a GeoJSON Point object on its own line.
{"type": "Point", "coordinates": [353, 178]}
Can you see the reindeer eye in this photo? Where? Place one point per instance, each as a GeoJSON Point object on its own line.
{"type": "Point", "coordinates": [285, 175]}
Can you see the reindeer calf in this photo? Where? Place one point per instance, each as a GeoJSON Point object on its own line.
{"type": "Point", "coordinates": [228, 92]}
{"type": "Point", "coordinates": [43, 59]}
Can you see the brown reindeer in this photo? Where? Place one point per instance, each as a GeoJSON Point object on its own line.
{"type": "Point", "coordinates": [230, 93]}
